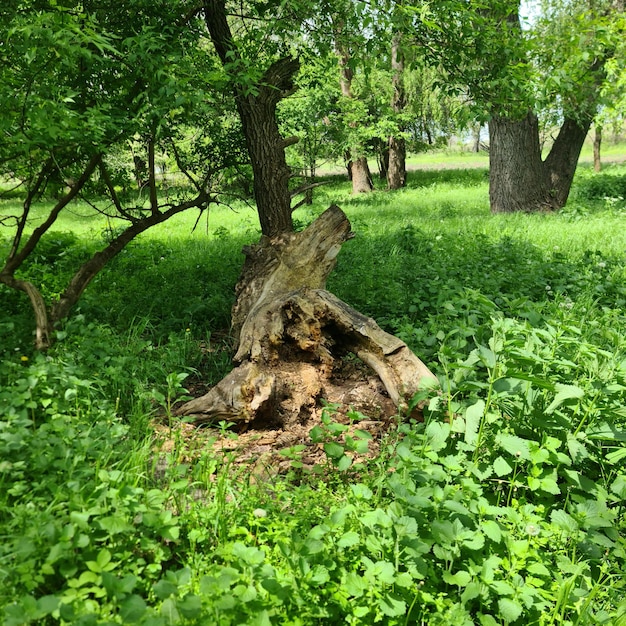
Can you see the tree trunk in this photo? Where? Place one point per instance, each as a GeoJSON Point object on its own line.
{"type": "Point", "coordinates": [597, 143]}
{"type": "Point", "coordinates": [396, 171]}
{"type": "Point", "coordinates": [257, 112]}
{"type": "Point", "coordinates": [358, 169]}
{"type": "Point", "coordinates": [477, 130]}
{"type": "Point", "coordinates": [360, 176]}
{"type": "Point", "coordinates": [518, 178]}
{"type": "Point", "coordinates": [292, 334]}
{"type": "Point", "coordinates": [562, 160]}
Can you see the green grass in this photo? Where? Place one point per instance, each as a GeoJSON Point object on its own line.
{"type": "Point", "coordinates": [506, 506]}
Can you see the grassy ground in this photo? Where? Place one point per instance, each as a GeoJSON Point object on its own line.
{"type": "Point", "coordinates": [504, 507]}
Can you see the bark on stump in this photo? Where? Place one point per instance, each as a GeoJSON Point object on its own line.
{"type": "Point", "coordinates": [293, 334]}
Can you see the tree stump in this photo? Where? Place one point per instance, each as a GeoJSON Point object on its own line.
{"type": "Point", "coordinates": [293, 338]}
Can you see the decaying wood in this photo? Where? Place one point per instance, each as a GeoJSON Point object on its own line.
{"type": "Point", "coordinates": [292, 335]}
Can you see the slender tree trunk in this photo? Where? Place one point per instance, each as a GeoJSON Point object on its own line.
{"type": "Point", "coordinates": [518, 178]}
{"type": "Point", "coordinates": [257, 113]}
{"type": "Point", "coordinates": [477, 137]}
{"type": "Point", "coordinates": [382, 158]}
{"type": "Point", "coordinates": [396, 172]}
{"type": "Point", "coordinates": [359, 172]}
{"type": "Point", "coordinates": [597, 143]}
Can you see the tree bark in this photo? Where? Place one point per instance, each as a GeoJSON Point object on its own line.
{"type": "Point", "coordinates": [257, 112]}
{"type": "Point", "coordinates": [477, 130]}
{"type": "Point", "coordinates": [597, 143]}
{"type": "Point", "coordinates": [396, 171]}
{"type": "Point", "coordinates": [292, 334]}
{"type": "Point", "coordinates": [358, 168]}
{"type": "Point", "coordinates": [361, 176]}
{"type": "Point", "coordinates": [519, 180]}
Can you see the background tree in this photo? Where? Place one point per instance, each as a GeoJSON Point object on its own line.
{"type": "Point", "coordinates": [514, 74]}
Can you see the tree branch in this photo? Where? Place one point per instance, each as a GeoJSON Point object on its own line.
{"type": "Point", "coordinates": [14, 262]}
{"type": "Point", "coordinates": [90, 268]}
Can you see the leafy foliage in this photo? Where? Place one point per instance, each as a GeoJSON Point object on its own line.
{"type": "Point", "coordinates": [504, 506]}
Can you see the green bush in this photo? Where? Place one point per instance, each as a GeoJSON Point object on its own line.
{"type": "Point", "coordinates": [601, 186]}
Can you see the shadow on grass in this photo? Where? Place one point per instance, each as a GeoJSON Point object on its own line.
{"type": "Point", "coordinates": [410, 273]}
{"type": "Point", "coordinates": [457, 177]}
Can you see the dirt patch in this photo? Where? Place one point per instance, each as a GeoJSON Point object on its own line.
{"type": "Point", "coordinates": [353, 406]}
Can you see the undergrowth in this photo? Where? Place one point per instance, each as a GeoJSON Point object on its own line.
{"type": "Point", "coordinates": [504, 506]}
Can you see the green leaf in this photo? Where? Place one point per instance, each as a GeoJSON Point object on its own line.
{"type": "Point", "coordinates": [492, 529]}
{"type": "Point", "coordinates": [171, 533]}
{"type": "Point", "coordinates": [487, 357]}
{"type": "Point", "coordinates": [132, 609]}
{"type": "Point", "coordinates": [169, 611]}
{"type": "Point", "coordinates": [47, 604]}
{"type": "Point", "coordinates": [348, 539]}
{"type": "Point", "coordinates": [514, 445]}
{"type": "Point", "coordinates": [319, 575]}
{"type": "Point", "coordinates": [437, 434]}
{"type": "Point", "coordinates": [564, 392]}
{"type": "Point", "coordinates": [509, 609]}
{"type": "Point", "coordinates": [461, 578]}
{"type": "Point", "coordinates": [333, 450]}
{"type": "Point", "coordinates": [549, 485]}
{"type": "Point", "coordinates": [577, 450]}
{"type": "Point", "coordinates": [164, 589]}
{"type": "Point", "coordinates": [606, 431]}
{"type": "Point", "coordinates": [361, 491]}
{"type": "Point", "coordinates": [473, 417]}
{"type": "Point", "coordinates": [114, 524]}
{"type": "Point", "coordinates": [471, 591]}
{"type": "Point", "coordinates": [190, 606]}
{"type": "Point", "coordinates": [354, 584]}
{"type": "Point", "coordinates": [539, 569]}
{"type": "Point", "coordinates": [501, 467]}
{"type": "Point", "coordinates": [618, 486]}
{"type": "Point", "coordinates": [344, 463]}
{"type": "Point", "coordinates": [563, 520]}
{"type": "Point", "coordinates": [392, 607]}
{"type": "Point", "coordinates": [316, 434]}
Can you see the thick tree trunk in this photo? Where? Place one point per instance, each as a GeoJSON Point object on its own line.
{"type": "Point", "coordinates": [292, 335]}
{"type": "Point", "coordinates": [360, 176]}
{"type": "Point", "coordinates": [597, 143]}
{"type": "Point", "coordinates": [518, 178]}
{"type": "Point", "coordinates": [396, 171]}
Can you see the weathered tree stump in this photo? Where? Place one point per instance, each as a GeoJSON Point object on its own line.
{"type": "Point", "coordinates": [293, 337]}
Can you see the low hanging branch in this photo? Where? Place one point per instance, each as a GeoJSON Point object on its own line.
{"type": "Point", "coordinates": [292, 335]}
{"type": "Point", "coordinates": [47, 315]}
